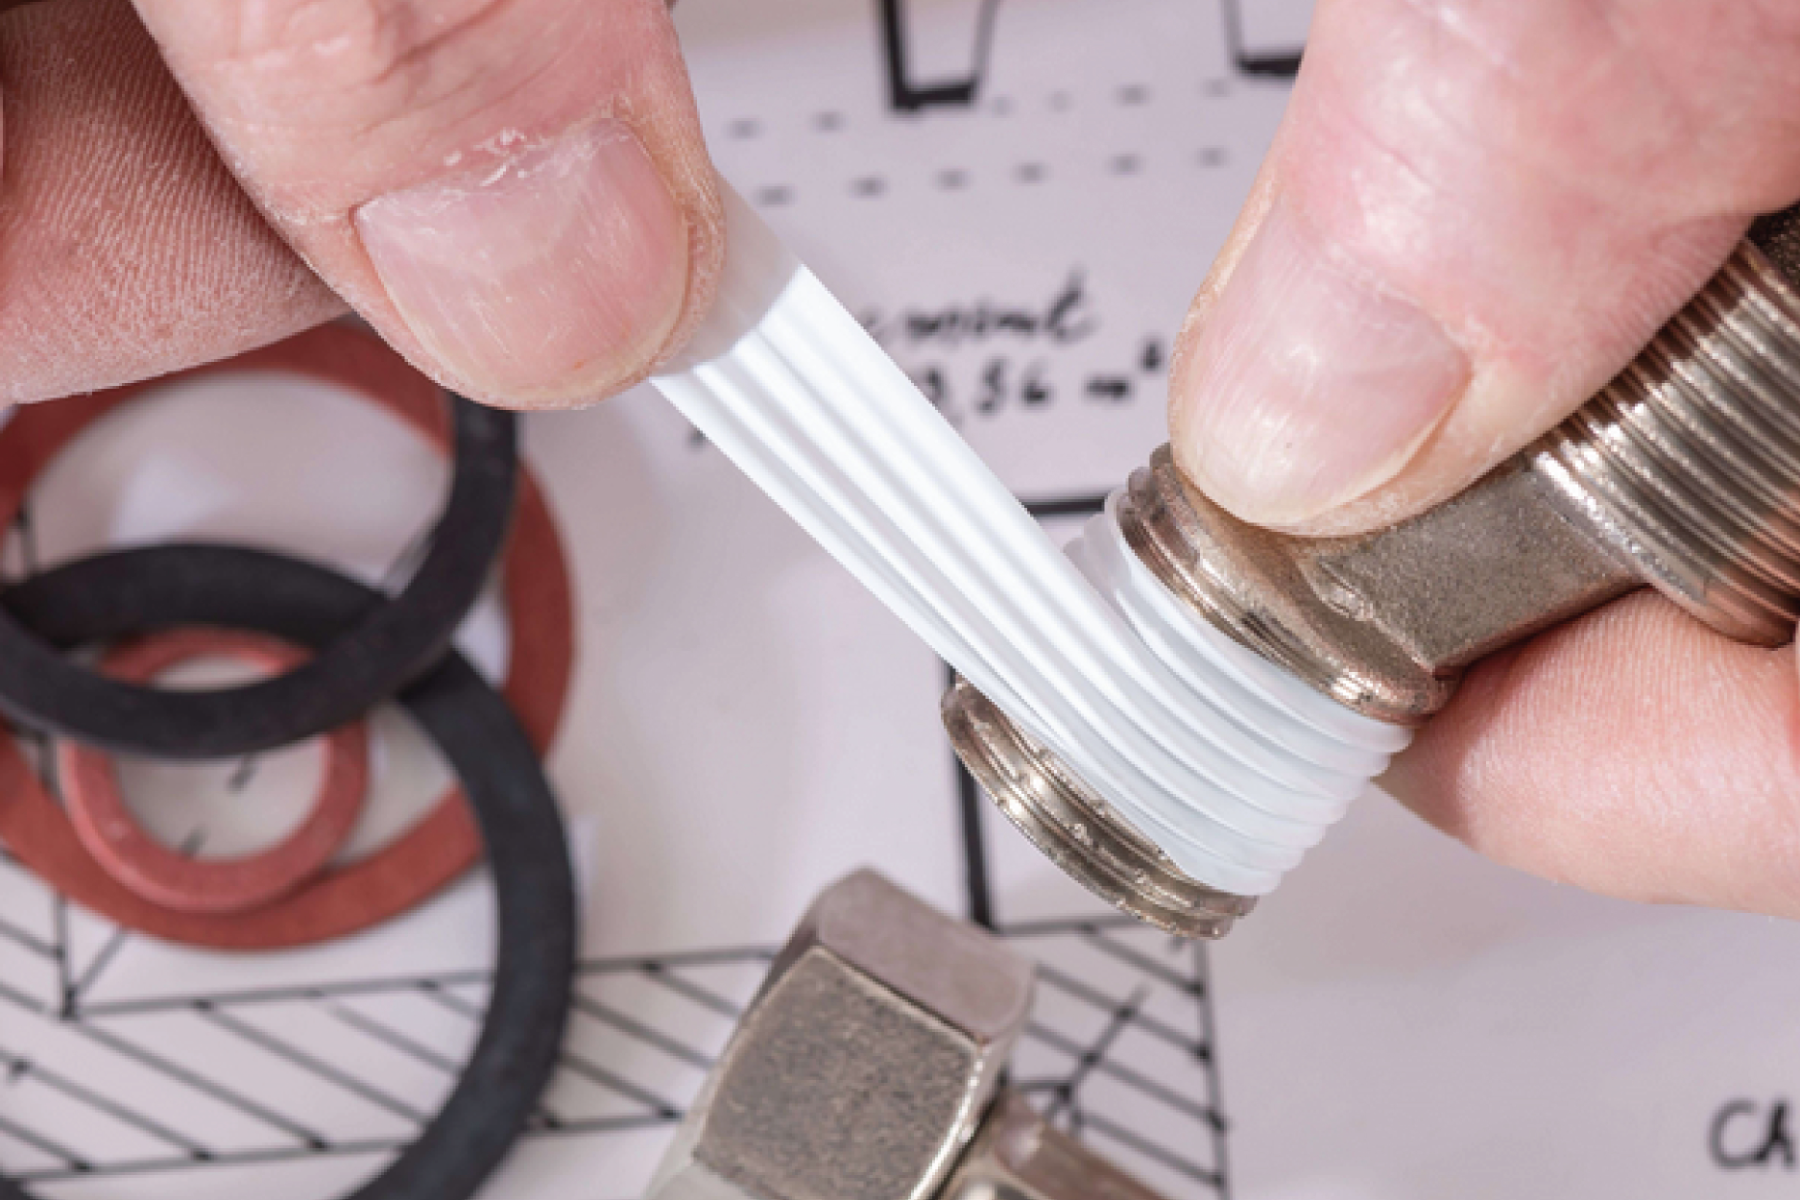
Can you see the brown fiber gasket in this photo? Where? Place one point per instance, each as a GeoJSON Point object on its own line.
{"type": "Point", "coordinates": [96, 804]}
{"type": "Point", "coordinates": [441, 845]}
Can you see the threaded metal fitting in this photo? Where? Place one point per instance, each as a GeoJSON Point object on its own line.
{"type": "Point", "coordinates": [1075, 828]}
{"type": "Point", "coordinates": [1683, 473]}
{"type": "Point", "coordinates": [1688, 463]}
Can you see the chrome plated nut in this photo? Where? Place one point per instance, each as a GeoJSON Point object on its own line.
{"type": "Point", "coordinates": [866, 1062]}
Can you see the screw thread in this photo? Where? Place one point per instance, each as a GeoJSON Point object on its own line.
{"type": "Point", "coordinates": [1685, 468]}
{"type": "Point", "coordinates": [1689, 461]}
{"type": "Point", "coordinates": [1076, 829]}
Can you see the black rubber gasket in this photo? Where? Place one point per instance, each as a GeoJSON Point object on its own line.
{"type": "Point", "coordinates": [127, 592]}
{"type": "Point", "coordinates": [381, 646]}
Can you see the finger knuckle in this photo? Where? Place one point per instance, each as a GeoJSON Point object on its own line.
{"type": "Point", "coordinates": [354, 60]}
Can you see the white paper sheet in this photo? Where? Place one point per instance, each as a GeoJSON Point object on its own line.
{"type": "Point", "coordinates": [1401, 1019]}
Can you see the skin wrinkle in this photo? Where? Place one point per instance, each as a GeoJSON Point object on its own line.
{"type": "Point", "coordinates": [1632, 752]}
{"type": "Point", "coordinates": [430, 223]}
{"type": "Point", "coordinates": [1570, 315]}
{"type": "Point", "coordinates": [1618, 780]}
{"type": "Point", "coordinates": [464, 91]}
{"type": "Point", "coordinates": [1372, 213]}
{"type": "Point", "coordinates": [1594, 88]}
{"type": "Point", "coordinates": [1352, 122]}
{"type": "Point", "coordinates": [540, 68]}
{"type": "Point", "coordinates": [398, 20]}
{"type": "Point", "coordinates": [248, 307]}
{"type": "Point", "coordinates": [514, 149]}
{"type": "Point", "coordinates": [125, 249]}
{"type": "Point", "coordinates": [1401, 144]}
{"type": "Point", "coordinates": [417, 58]}
{"type": "Point", "coordinates": [1442, 16]}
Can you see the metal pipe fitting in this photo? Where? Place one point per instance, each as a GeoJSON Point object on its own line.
{"type": "Point", "coordinates": [1683, 474]}
{"type": "Point", "coordinates": [868, 1068]}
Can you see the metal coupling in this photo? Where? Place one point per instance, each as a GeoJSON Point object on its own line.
{"type": "Point", "coordinates": [868, 1067]}
{"type": "Point", "coordinates": [1683, 473]}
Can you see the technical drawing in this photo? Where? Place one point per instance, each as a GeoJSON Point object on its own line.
{"type": "Point", "coordinates": [1120, 1050]}
{"type": "Point", "coordinates": [205, 1088]}
{"type": "Point", "coordinates": [1271, 64]}
{"type": "Point", "coordinates": [906, 94]}
{"type": "Point", "coordinates": [1121, 1047]}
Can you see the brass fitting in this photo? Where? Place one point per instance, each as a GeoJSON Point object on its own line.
{"type": "Point", "coordinates": [1683, 473]}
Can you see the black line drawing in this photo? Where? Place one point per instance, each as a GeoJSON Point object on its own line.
{"type": "Point", "coordinates": [1108, 986]}
{"type": "Point", "coordinates": [1097, 977]}
{"type": "Point", "coordinates": [1068, 1048]}
{"type": "Point", "coordinates": [1265, 64]}
{"type": "Point", "coordinates": [907, 96]}
{"type": "Point", "coordinates": [970, 806]}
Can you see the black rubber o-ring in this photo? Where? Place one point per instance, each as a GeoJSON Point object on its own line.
{"type": "Point", "coordinates": [384, 644]}
{"type": "Point", "coordinates": [138, 591]}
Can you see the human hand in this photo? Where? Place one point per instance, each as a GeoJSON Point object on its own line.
{"type": "Point", "coordinates": [1473, 215]}
{"type": "Point", "coordinates": [515, 195]}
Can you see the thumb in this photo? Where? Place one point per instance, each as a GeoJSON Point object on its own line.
{"type": "Point", "coordinates": [1473, 216]}
{"type": "Point", "coordinates": [516, 195]}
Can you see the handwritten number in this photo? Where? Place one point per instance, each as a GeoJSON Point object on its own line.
{"type": "Point", "coordinates": [993, 387]}
{"type": "Point", "coordinates": [931, 382]}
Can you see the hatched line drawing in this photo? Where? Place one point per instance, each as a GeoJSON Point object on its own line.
{"type": "Point", "coordinates": [1101, 980]}
{"type": "Point", "coordinates": [627, 1069]}
{"type": "Point", "coordinates": [1122, 1047]}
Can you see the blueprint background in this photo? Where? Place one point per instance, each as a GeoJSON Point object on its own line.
{"type": "Point", "coordinates": [1402, 1019]}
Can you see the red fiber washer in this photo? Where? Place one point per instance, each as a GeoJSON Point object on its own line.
{"type": "Point", "coordinates": [441, 845]}
{"type": "Point", "coordinates": [106, 826]}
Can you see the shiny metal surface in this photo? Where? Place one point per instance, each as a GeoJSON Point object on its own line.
{"type": "Point", "coordinates": [1072, 825]}
{"type": "Point", "coordinates": [1683, 473]}
{"type": "Point", "coordinates": [1384, 622]}
{"type": "Point", "coordinates": [863, 1066]}
{"type": "Point", "coordinates": [1018, 1156]}
{"type": "Point", "coordinates": [1689, 462]}
{"type": "Point", "coordinates": [866, 1068]}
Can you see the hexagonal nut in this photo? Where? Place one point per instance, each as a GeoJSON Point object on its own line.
{"type": "Point", "coordinates": [864, 1064]}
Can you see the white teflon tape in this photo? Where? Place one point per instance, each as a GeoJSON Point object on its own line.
{"type": "Point", "coordinates": [1229, 764]}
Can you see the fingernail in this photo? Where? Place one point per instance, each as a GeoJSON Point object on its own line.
{"type": "Point", "coordinates": [555, 275]}
{"type": "Point", "coordinates": [1308, 387]}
